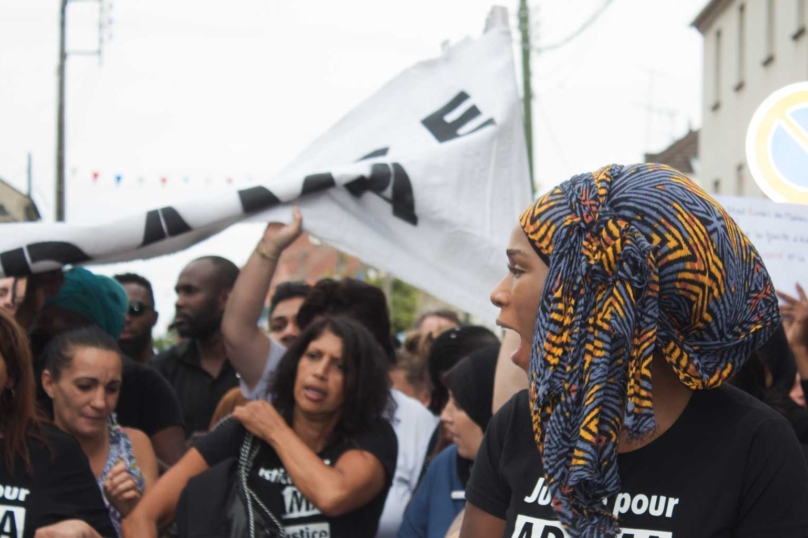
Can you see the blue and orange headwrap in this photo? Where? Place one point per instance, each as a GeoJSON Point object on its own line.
{"type": "Point", "coordinates": [642, 262]}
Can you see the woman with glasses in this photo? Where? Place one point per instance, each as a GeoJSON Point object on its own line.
{"type": "Point", "coordinates": [83, 378]}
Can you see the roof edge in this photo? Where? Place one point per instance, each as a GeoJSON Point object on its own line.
{"type": "Point", "coordinates": [709, 13]}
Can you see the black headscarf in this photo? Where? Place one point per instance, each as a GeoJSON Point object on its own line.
{"type": "Point", "coordinates": [471, 382]}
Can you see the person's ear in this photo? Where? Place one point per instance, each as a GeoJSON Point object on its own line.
{"type": "Point", "coordinates": [155, 316]}
{"type": "Point", "coordinates": [48, 383]}
{"type": "Point", "coordinates": [223, 297]}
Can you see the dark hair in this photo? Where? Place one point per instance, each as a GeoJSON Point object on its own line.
{"type": "Point", "coordinates": [288, 290]}
{"type": "Point", "coordinates": [367, 385]}
{"type": "Point", "coordinates": [18, 414]}
{"type": "Point", "coordinates": [132, 278]}
{"type": "Point", "coordinates": [59, 353]}
{"type": "Point", "coordinates": [444, 313]}
{"type": "Point", "coordinates": [751, 378]}
{"type": "Point", "coordinates": [354, 299]}
{"type": "Point", "coordinates": [226, 271]}
{"type": "Point", "coordinates": [447, 350]}
{"type": "Point", "coordinates": [411, 359]}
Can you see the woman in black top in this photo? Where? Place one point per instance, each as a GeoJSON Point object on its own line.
{"type": "Point", "coordinates": [47, 485]}
{"type": "Point", "coordinates": [636, 296]}
{"type": "Point", "coordinates": [330, 452]}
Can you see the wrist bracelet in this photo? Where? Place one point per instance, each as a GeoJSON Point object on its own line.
{"type": "Point", "coordinates": [259, 249]}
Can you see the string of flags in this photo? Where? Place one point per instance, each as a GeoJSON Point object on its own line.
{"type": "Point", "coordinates": [104, 178]}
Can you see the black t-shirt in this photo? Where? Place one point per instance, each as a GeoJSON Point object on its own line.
{"type": "Point", "coordinates": [147, 402]}
{"type": "Point", "coordinates": [729, 466]}
{"type": "Point", "coordinates": [199, 393]}
{"type": "Point", "coordinates": [61, 487]}
{"type": "Point", "coordinates": [269, 480]}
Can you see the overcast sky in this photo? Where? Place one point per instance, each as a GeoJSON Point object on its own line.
{"type": "Point", "coordinates": [214, 90]}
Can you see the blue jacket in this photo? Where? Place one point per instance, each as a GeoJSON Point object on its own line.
{"type": "Point", "coordinates": [434, 508]}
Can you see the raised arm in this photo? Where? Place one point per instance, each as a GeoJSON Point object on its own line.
{"type": "Point", "coordinates": [356, 478]}
{"type": "Point", "coordinates": [247, 346]}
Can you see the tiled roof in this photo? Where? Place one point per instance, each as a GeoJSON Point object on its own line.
{"type": "Point", "coordinates": [679, 155]}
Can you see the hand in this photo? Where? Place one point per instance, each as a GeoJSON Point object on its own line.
{"type": "Point", "coordinates": [795, 315]}
{"type": "Point", "coordinates": [121, 489]}
{"type": "Point", "coordinates": [278, 236]}
{"type": "Point", "coordinates": [71, 528]}
{"type": "Point", "coordinates": [261, 419]}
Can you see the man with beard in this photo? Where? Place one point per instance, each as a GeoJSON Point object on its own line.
{"type": "Point", "coordinates": [136, 338]}
{"type": "Point", "coordinates": [198, 368]}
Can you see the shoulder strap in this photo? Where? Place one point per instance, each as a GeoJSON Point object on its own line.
{"type": "Point", "coordinates": [245, 461]}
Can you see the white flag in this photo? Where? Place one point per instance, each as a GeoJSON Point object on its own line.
{"type": "Point", "coordinates": [425, 180]}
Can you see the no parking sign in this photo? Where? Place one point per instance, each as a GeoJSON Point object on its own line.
{"type": "Point", "coordinates": [777, 145]}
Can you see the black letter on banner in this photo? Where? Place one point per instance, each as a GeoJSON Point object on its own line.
{"type": "Point", "coordinates": [57, 251]}
{"type": "Point", "coordinates": [256, 199]}
{"type": "Point", "coordinates": [444, 131]}
{"type": "Point", "coordinates": [402, 198]}
{"type": "Point", "coordinates": [154, 228]}
{"type": "Point", "coordinates": [14, 262]}
{"type": "Point", "coordinates": [174, 225]}
{"type": "Point", "coordinates": [527, 531]}
{"type": "Point", "coordinates": [552, 532]}
{"type": "Point", "coordinates": [317, 182]}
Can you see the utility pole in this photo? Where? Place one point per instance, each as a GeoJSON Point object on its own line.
{"type": "Point", "coordinates": [60, 114]}
{"type": "Point", "coordinates": [60, 118]}
{"type": "Point", "coordinates": [527, 92]}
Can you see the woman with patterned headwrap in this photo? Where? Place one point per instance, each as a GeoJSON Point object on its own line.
{"type": "Point", "coordinates": [636, 297]}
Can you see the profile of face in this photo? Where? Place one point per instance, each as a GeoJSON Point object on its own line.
{"type": "Point", "coordinates": [86, 392]}
{"type": "Point", "coordinates": [201, 299]}
{"type": "Point", "coordinates": [796, 392]}
{"type": "Point", "coordinates": [320, 381]}
{"type": "Point", "coordinates": [139, 321]}
{"type": "Point", "coordinates": [283, 321]}
{"type": "Point", "coordinates": [434, 324]}
{"type": "Point", "coordinates": [518, 294]}
{"type": "Point", "coordinates": [463, 431]}
{"type": "Point", "coordinates": [7, 294]}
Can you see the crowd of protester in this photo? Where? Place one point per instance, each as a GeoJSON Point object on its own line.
{"type": "Point", "coordinates": [621, 382]}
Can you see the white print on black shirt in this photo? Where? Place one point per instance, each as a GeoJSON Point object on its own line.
{"type": "Point", "coordinates": [655, 505]}
{"type": "Point", "coordinates": [296, 505]}
{"type": "Point", "coordinates": [531, 527]}
{"type": "Point", "coordinates": [315, 530]}
{"type": "Point", "coordinates": [12, 521]}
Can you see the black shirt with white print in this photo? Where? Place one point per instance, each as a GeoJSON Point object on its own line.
{"type": "Point", "coordinates": [61, 487]}
{"type": "Point", "coordinates": [270, 481]}
{"type": "Point", "coordinates": [729, 467]}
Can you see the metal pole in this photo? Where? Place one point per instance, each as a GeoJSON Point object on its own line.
{"type": "Point", "coordinates": [60, 120]}
{"type": "Point", "coordinates": [527, 92]}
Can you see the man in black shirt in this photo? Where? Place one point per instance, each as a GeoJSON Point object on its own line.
{"type": "Point", "coordinates": [141, 317]}
{"type": "Point", "coordinates": [198, 368]}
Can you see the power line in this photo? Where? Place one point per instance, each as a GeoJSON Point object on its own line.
{"type": "Point", "coordinates": [583, 28]}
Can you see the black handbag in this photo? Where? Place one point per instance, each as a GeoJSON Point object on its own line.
{"type": "Point", "coordinates": [219, 503]}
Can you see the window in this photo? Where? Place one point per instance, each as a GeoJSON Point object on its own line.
{"type": "Point", "coordinates": [739, 179]}
{"type": "Point", "coordinates": [769, 33]}
{"type": "Point", "coordinates": [716, 186]}
{"type": "Point", "coordinates": [717, 74]}
{"type": "Point", "coordinates": [741, 46]}
{"type": "Point", "coordinates": [800, 20]}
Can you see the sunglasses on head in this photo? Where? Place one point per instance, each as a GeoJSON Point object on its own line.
{"type": "Point", "coordinates": [137, 308]}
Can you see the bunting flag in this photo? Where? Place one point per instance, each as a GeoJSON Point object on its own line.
{"type": "Point", "coordinates": [425, 180]}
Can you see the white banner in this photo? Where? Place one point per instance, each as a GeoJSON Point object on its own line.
{"type": "Point", "coordinates": [779, 233]}
{"type": "Point", "coordinates": [425, 180]}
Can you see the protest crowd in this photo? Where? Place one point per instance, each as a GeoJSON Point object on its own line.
{"type": "Point", "coordinates": [680, 381]}
{"type": "Point", "coordinates": [641, 373]}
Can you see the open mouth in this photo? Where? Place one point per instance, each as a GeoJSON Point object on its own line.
{"type": "Point", "coordinates": [314, 394]}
